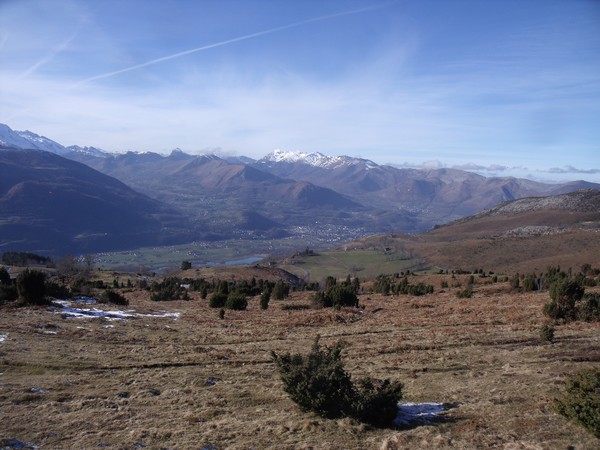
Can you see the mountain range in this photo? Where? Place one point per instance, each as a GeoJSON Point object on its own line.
{"type": "Point", "coordinates": [203, 197]}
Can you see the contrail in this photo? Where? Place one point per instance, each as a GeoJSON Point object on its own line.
{"type": "Point", "coordinates": [52, 55]}
{"type": "Point", "coordinates": [233, 40]}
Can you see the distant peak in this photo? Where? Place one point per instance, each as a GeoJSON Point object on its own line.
{"type": "Point", "coordinates": [314, 159]}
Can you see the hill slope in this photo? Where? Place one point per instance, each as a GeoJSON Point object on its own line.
{"type": "Point", "coordinates": [53, 205]}
{"type": "Point", "coordinates": [519, 236]}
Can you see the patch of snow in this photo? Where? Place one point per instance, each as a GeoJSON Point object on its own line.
{"type": "Point", "coordinates": [3, 337]}
{"type": "Point", "coordinates": [91, 151]}
{"type": "Point", "coordinates": [35, 390]}
{"type": "Point", "coordinates": [66, 309]}
{"type": "Point", "coordinates": [16, 444]}
{"type": "Point", "coordinates": [418, 413]}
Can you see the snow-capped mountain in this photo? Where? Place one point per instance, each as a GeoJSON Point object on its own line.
{"type": "Point", "coordinates": [30, 140]}
{"type": "Point", "coordinates": [42, 142]}
{"type": "Point", "coordinates": [91, 151]}
{"type": "Point", "coordinates": [10, 138]}
{"type": "Point", "coordinates": [314, 159]}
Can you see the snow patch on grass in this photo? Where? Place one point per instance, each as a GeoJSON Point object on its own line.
{"type": "Point", "coordinates": [65, 309]}
{"type": "Point", "coordinates": [418, 413]}
{"type": "Point", "coordinates": [3, 337]}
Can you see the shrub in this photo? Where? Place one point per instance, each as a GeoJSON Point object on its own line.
{"type": "Point", "coordinates": [294, 307]}
{"type": "Point", "coordinates": [280, 290]}
{"type": "Point", "coordinates": [320, 300]}
{"type": "Point", "coordinates": [169, 289]}
{"type": "Point", "coordinates": [31, 287]}
{"type": "Point", "coordinates": [336, 296]}
{"type": "Point", "coordinates": [217, 300]}
{"type": "Point", "coordinates": [547, 333]}
{"type": "Point", "coordinates": [236, 301]}
{"type": "Point", "coordinates": [581, 400]}
{"type": "Point", "coordinates": [376, 402]}
{"type": "Point", "coordinates": [113, 297]}
{"type": "Point", "coordinates": [8, 293]}
{"type": "Point", "coordinates": [57, 290]}
{"type": "Point", "coordinates": [466, 292]}
{"type": "Point", "coordinates": [564, 293]}
{"type": "Point", "coordinates": [4, 276]}
{"type": "Point", "coordinates": [265, 297]}
{"type": "Point", "coordinates": [588, 309]}
{"type": "Point", "coordinates": [318, 382]}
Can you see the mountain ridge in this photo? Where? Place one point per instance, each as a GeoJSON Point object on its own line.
{"type": "Point", "coordinates": [288, 190]}
{"type": "Point", "coordinates": [52, 205]}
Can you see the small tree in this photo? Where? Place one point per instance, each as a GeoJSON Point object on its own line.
{"type": "Point", "coordinates": [31, 287]}
{"type": "Point", "coordinates": [564, 294]}
{"type": "Point", "coordinates": [186, 265]}
{"type": "Point", "coordinates": [265, 297]}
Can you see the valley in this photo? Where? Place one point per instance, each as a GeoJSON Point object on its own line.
{"type": "Point", "coordinates": [182, 199]}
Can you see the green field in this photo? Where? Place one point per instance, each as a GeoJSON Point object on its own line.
{"type": "Point", "coordinates": [363, 263]}
{"type": "Point", "coordinates": [200, 254]}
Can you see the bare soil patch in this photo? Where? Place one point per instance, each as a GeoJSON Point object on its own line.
{"type": "Point", "coordinates": [197, 381]}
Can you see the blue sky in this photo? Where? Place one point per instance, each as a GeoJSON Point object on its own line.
{"type": "Point", "coordinates": [507, 87]}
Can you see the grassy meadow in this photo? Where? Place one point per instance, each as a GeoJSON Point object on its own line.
{"type": "Point", "coordinates": [198, 381]}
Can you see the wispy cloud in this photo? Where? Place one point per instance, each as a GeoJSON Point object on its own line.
{"type": "Point", "coordinates": [571, 169]}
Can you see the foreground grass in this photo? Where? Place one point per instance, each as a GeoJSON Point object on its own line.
{"type": "Point", "coordinates": [200, 381]}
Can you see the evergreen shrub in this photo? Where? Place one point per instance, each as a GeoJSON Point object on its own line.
{"type": "Point", "coordinates": [318, 382]}
{"type": "Point", "coordinates": [581, 400]}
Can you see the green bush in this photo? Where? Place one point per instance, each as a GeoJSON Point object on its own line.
{"type": "Point", "coordinates": [31, 287]}
{"type": "Point", "coordinates": [57, 290]}
{"type": "Point", "coordinates": [265, 297]}
{"type": "Point", "coordinates": [113, 297]}
{"type": "Point", "coordinates": [294, 307]}
{"type": "Point", "coordinates": [281, 290]}
{"type": "Point", "coordinates": [318, 382]}
{"type": "Point", "coordinates": [8, 293]}
{"type": "Point", "coordinates": [236, 301]}
{"type": "Point", "coordinates": [588, 309]}
{"type": "Point", "coordinates": [217, 300]}
{"type": "Point", "coordinates": [565, 293]}
{"type": "Point", "coordinates": [337, 295]}
{"type": "Point", "coordinates": [169, 289]}
{"type": "Point", "coordinates": [581, 400]}
{"type": "Point", "coordinates": [4, 276]}
{"type": "Point", "coordinates": [376, 402]}
{"type": "Point", "coordinates": [547, 333]}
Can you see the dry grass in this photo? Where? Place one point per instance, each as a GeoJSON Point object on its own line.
{"type": "Point", "coordinates": [200, 381]}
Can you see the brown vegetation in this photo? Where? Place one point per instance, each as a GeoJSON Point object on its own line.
{"type": "Point", "coordinates": [202, 381]}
